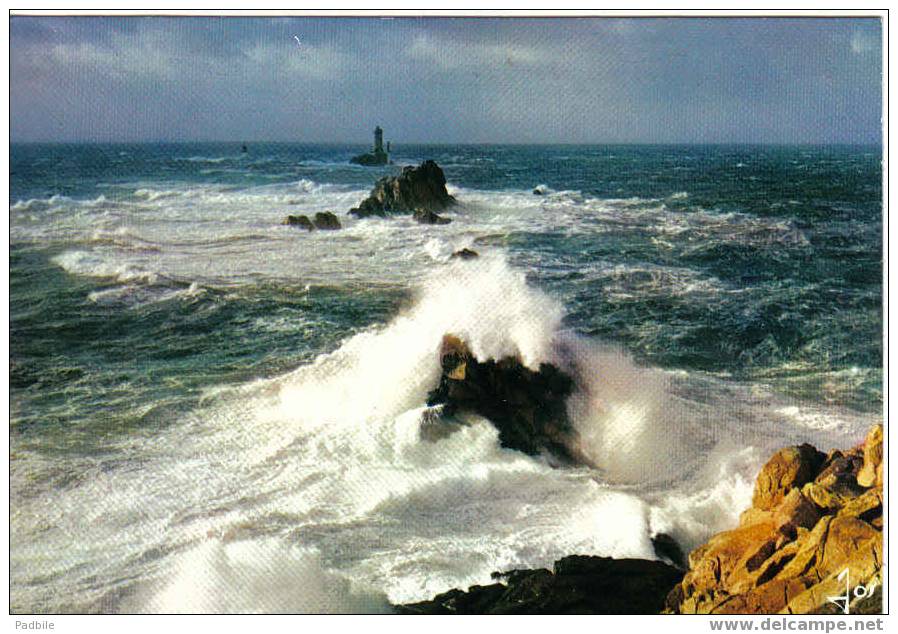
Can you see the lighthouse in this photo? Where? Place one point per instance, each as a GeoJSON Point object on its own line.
{"type": "Point", "coordinates": [377, 156]}
{"type": "Point", "coordinates": [378, 140]}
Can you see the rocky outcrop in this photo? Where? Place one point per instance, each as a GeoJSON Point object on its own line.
{"type": "Point", "coordinates": [813, 516]}
{"type": "Point", "coordinates": [417, 190]}
{"type": "Point", "coordinates": [302, 222]}
{"type": "Point", "coordinates": [528, 407]}
{"type": "Point", "coordinates": [371, 158]}
{"type": "Point", "coordinates": [325, 221]}
{"type": "Point", "coordinates": [788, 468]}
{"type": "Point", "coordinates": [576, 585]}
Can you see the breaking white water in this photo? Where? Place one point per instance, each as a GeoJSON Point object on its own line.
{"type": "Point", "coordinates": [212, 412]}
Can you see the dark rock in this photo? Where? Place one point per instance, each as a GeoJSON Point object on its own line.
{"type": "Point", "coordinates": [371, 158]}
{"type": "Point", "coordinates": [465, 254]}
{"type": "Point", "coordinates": [299, 221]}
{"type": "Point", "coordinates": [323, 220]}
{"type": "Point", "coordinates": [667, 547]}
{"type": "Point", "coordinates": [527, 407]}
{"type": "Point", "coordinates": [430, 218]}
{"type": "Point", "coordinates": [327, 221]}
{"type": "Point", "coordinates": [416, 189]}
{"type": "Point", "coordinates": [578, 585]}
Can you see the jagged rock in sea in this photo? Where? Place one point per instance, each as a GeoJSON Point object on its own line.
{"type": "Point", "coordinates": [527, 407]}
{"type": "Point", "coordinates": [299, 221]}
{"type": "Point", "coordinates": [417, 190]}
{"type": "Point", "coordinates": [430, 218]}
{"type": "Point", "coordinates": [465, 254]}
{"type": "Point", "coordinates": [327, 221]}
{"type": "Point", "coordinates": [577, 585]}
{"type": "Point", "coordinates": [813, 516]}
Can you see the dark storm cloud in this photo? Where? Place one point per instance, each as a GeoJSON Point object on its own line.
{"type": "Point", "coordinates": [452, 80]}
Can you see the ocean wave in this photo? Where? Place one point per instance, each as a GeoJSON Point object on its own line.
{"type": "Point", "coordinates": [123, 237]}
{"type": "Point", "coordinates": [671, 451]}
{"type": "Point", "coordinates": [134, 296]}
{"type": "Point", "coordinates": [58, 202]}
{"type": "Point", "coordinates": [642, 281]}
{"type": "Point", "coordinates": [103, 265]}
{"type": "Point", "coordinates": [151, 195]}
{"type": "Point", "coordinates": [39, 204]}
{"type": "Point", "coordinates": [207, 159]}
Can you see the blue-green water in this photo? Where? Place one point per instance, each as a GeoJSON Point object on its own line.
{"type": "Point", "coordinates": [154, 295]}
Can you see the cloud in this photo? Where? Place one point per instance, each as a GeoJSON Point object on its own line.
{"type": "Point", "coordinates": [291, 60]}
{"type": "Point", "coordinates": [864, 42]}
{"type": "Point", "coordinates": [452, 80]}
{"type": "Point", "coordinates": [154, 55]}
{"type": "Point", "coordinates": [451, 54]}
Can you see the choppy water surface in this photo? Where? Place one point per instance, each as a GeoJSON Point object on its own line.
{"type": "Point", "coordinates": [203, 398]}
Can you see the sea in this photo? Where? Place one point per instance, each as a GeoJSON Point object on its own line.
{"type": "Point", "coordinates": [211, 411]}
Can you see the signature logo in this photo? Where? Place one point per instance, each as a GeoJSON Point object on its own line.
{"type": "Point", "coordinates": [859, 592]}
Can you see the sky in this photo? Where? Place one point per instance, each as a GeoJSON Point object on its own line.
{"type": "Point", "coordinates": [446, 80]}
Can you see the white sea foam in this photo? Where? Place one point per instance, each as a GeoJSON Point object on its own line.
{"type": "Point", "coordinates": [259, 577]}
{"type": "Point", "coordinates": [316, 490]}
{"type": "Point", "coordinates": [338, 443]}
{"type": "Point", "coordinates": [211, 233]}
{"type": "Point", "coordinates": [96, 263]}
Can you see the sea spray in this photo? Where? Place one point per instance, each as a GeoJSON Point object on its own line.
{"type": "Point", "coordinates": [258, 577]}
{"type": "Point", "coordinates": [385, 371]}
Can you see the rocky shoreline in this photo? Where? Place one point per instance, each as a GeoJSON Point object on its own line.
{"type": "Point", "coordinates": [575, 585]}
{"type": "Point", "coordinates": [813, 517]}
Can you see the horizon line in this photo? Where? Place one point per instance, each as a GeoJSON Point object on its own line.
{"type": "Point", "coordinates": [444, 143]}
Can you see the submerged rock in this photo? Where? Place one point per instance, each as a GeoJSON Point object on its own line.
{"type": "Point", "coordinates": [465, 254]}
{"type": "Point", "coordinates": [299, 221]}
{"type": "Point", "coordinates": [809, 522]}
{"type": "Point", "coordinates": [417, 190]}
{"type": "Point", "coordinates": [577, 585]}
{"type": "Point", "coordinates": [430, 218]}
{"type": "Point", "coordinates": [527, 407]}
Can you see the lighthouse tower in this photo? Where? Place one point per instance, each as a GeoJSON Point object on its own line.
{"type": "Point", "coordinates": [378, 140]}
